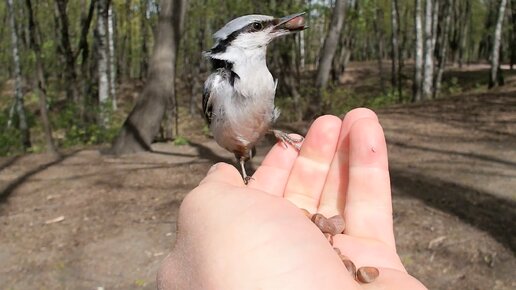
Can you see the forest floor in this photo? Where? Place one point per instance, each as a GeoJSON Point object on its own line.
{"type": "Point", "coordinates": [89, 221]}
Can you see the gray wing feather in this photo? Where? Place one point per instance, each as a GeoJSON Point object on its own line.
{"type": "Point", "coordinates": [207, 102]}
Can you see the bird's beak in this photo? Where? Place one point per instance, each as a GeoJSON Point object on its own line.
{"type": "Point", "coordinates": [291, 23]}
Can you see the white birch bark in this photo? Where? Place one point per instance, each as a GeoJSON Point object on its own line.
{"type": "Point", "coordinates": [428, 68]}
{"type": "Point", "coordinates": [18, 96]}
{"type": "Point", "coordinates": [112, 57]}
{"type": "Point", "coordinates": [102, 65]}
{"type": "Point", "coordinates": [418, 69]}
{"type": "Point", "coordinates": [495, 53]}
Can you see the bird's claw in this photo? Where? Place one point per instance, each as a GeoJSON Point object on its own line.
{"type": "Point", "coordinates": [287, 139]}
{"type": "Point", "coordinates": [247, 179]}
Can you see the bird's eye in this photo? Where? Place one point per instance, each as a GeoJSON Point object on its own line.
{"type": "Point", "coordinates": [257, 26]}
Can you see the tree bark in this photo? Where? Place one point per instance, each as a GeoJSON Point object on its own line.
{"type": "Point", "coordinates": [395, 53]}
{"type": "Point", "coordinates": [112, 57]}
{"type": "Point", "coordinates": [428, 67]}
{"type": "Point", "coordinates": [18, 96]}
{"type": "Point", "coordinates": [418, 69]}
{"type": "Point", "coordinates": [171, 112]}
{"type": "Point", "coordinates": [102, 61]}
{"type": "Point", "coordinates": [144, 57]}
{"type": "Point", "coordinates": [464, 35]}
{"type": "Point", "coordinates": [379, 35]}
{"type": "Point", "coordinates": [84, 50]}
{"type": "Point", "coordinates": [327, 53]}
{"type": "Point", "coordinates": [496, 77]}
{"type": "Point", "coordinates": [444, 47]}
{"type": "Point", "coordinates": [35, 44]}
{"type": "Point", "coordinates": [143, 123]}
{"type": "Point", "coordinates": [513, 33]}
{"type": "Point", "coordinates": [70, 74]}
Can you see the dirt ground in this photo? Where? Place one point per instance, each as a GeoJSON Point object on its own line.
{"type": "Point", "coordinates": [88, 221]}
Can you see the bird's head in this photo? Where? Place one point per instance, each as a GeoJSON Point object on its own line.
{"type": "Point", "coordinates": [250, 34]}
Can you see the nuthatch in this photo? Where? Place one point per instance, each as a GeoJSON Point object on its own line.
{"type": "Point", "coordinates": [238, 97]}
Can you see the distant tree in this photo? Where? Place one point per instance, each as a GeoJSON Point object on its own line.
{"type": "Point", "coordinates": [101, 38]}
{"type": "Point", "coordinates": [418, 54]}
{"type": "Point", "coordinates": [379, 35]}
{"type": "Point", "coordinates": [395, 49]}
{"type": "Point", "coordinates": [111, 55]}
{"type": "Point", "coordinates": [513, 33]}
{"type": "Point", "coordinates": [443, 51]}
{"type": "Point", "coordinates": [35, 44]}
{"type": "Point", "coordinates": [18, 95]}
{"type": "Point", "coordinates": [496, 77]}
{"type": "Point", "coordinates": [65, 49]}
{"type": "Point", "coordinates": [327, 53]}
{"type": "Point", "coordinates": [143, 123]}
{"type": "Point", "coordinates": [428, 65]}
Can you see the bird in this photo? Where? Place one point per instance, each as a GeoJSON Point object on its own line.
{"type": "Point", "coordinates": [238, 97]}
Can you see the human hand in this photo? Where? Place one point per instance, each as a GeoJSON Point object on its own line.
{"type": "Point", "coordinates": [233, 236]}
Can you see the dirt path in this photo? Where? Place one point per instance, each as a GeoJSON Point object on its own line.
{"type": "Point", "coordinates": [85, 221]}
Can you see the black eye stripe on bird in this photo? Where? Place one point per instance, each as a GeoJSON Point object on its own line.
{"type": "Point", "coordinates": [223, 44]}
{"type": "Point", "coordinates": [238, 97]}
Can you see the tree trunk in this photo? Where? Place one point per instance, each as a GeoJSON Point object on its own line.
{"type": "Point", "coordinates": [379, 35]}
{"type": "Point", "coordinates": [418, 69]}
{"type": "Point", "coordinates": [513, 32]}
{"type": "Point", "coordinates": [464, 35]}
{"type": "Point", "coordinates": [112, 58]}
{"type": "Point", "coordinates": [327, 53]}
{"type": "Point", "coordinates": [144, 55]}
{"type": "Point", "coordinates": [395, 53]}
{"type": "Point", "coordinates": [18, 96]}
{"type": "Point", "coordinates": [496, 77]}
{"type": "Point", "coordinates": [171, 112]}
{"type": "Point", "coordinates": [35, 44]}
{"type": "Point", "coordinates": [102, 61]}
{"type": "Point", "coordinates": [84, 50]}
{"type": "Point", "coordinates": [143, 123]}
{"type": "Point", "coordinates": [70, 74]}
{"type": "Point", "coordinates": [428, 67]}
{"type": "Point", "coordinates": [444, 47]}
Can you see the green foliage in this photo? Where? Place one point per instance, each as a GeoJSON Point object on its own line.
{"type": "Point", "coordinates": [453, 87]}
{"type": "Point", "coordinates": [75, 131]}
{"type": "Point", "coordinates": [180, 141]}
{"type": "Point", "coordinates": [9, 137]}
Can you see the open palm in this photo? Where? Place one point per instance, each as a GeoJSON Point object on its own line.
{"type": "Point", "coordinates": [232, 236]}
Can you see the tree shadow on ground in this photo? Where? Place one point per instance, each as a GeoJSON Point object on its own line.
{"type": "Point", "coordinates": [10, 161]}
{"type": "Point", "coordinates": [8, 189]}
{"type": "Point", "coordinates": [494, 215]}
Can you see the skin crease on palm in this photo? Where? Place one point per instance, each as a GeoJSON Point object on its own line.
{"type": "Point", "coordinates": [233, 236]}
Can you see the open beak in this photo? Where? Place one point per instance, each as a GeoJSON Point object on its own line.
{"type": "Point", "coordinates": [291, 23]}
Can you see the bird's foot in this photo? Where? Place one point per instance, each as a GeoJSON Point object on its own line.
{"type": "Point", "coordinates": [286, 139]}
{"type": "Point", "coordinates": [247, 179]}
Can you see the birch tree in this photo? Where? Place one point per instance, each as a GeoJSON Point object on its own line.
{"type": "Point", "coordinates": [102, 62]}
{"type": "Point", "coordinates": [395, 52]}
{"type": "Point", "coordinates": [327, 53]}
{"type": "Point", "coordinates": [418, 67]}
{"type": "Point", "coordinates": [18, 96]}
{"type": "Point", "coordinates": [496, 77]}
{"type": "Point", "coordinates": [428, 67]}
{"type": "Point", "coordinates": [112, 58]}
{"type": "Point", "coordinates": [143, 122]}
{"type": "Point", "coordinates": [513, 34]}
